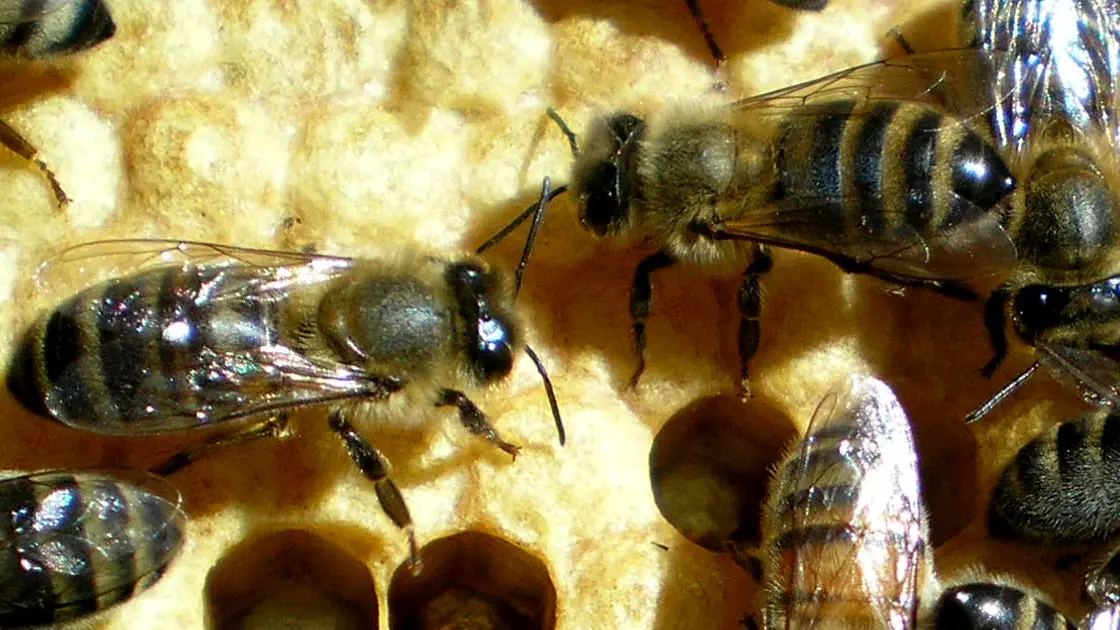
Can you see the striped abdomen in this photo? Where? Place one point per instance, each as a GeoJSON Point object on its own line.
{"type": "Point", "coordinates": [1063, 486]}
{"type": "Point", "coordinates": [75, 543]}
{"type": "Point", "coordinates": [60, 28]}
{"type": "Point", "coordinates": [126, 356]}
{"type": "Point", "coordinates": [845, 528]}
{"type": "Point", "coordinates": [883, 168]}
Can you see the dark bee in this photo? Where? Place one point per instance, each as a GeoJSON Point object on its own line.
{"type": "Point", "coordinates": [73, 543]}
{"type": "Point", "coordinates": [1064, 486]}
{"type": "Point", "coordinates": [191, 335]}
{"type": "Point", "coordinates": [844, 529]}
{"type": "Point", "coordinates": [1058, 65]}
{"type": "Point", "coordinates": [39, 29]}
{"type": "Point", "coordinates": [876, 168]}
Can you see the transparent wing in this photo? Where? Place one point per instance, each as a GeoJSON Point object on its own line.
{"type": "Point", "coordinates": [22, 11]}
{"type": "Point", "coordinates": [88, 263]}
{"type": "Point", "coordinates": [93, 534]}
{"type": "Point", "coordinates": [882, 240]}
{"type": "Point", "coordinates": [1093, 374]}
{"type": "Point", "coordinates": [946, 80]}
{"type": "Point", "coordinates": [182, 291]}
{"type": "Point", "coordinates": [862, 505]}
{"type": "Point", "coordinates": [1056, 60]}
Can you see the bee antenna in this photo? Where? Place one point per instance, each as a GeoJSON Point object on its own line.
{"type": "Point", "coordinates": [565, 129]}
{"type": "Point", "coordinates": [1001, 395]}
{"type": "Point", "coordinates": [551, 394]}
{"type": "Point", "coordinates": [537, 212]}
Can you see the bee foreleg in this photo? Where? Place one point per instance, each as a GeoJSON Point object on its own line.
{"type": "Point", "coordinates": [474, 419]}
{"type": "Point", "coordinates": [376, 468]}
{"type": "Point", "coordinates": [702, 24]}
{"type": "Point", "coordinates": [641, 294]}
{"type": "Point", "coordinates": [273, 427]}
{"type": "Point", "coordinates": [11, 138]}
{"type": "Point", "coordinates": [995, 324]}
{"type": "Point", "coordinates": [750, 308]}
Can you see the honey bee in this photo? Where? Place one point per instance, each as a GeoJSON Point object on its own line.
{"type": "Point", "coordinates": [1058, 63]}
{"type": "Point", "coordinates": [845, 532]}
{"type": "Point", "coordinates": [1062, 487]}
{"type": "Point", "coordinates": [73, 543]}
{"type": "Point", "coordinates": [846, 535]}
{"type": "Point", "coordinates": [40, 29]}
{"type": "Point", "coordinates": [189, 335]}
{"type": "Point", "coordinates": [876, 168]}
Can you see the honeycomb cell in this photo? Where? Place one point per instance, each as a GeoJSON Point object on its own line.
{"type": "Point", "coordinates": [290, 579]}
{"type": "Point", "coordinates": [473, 581]}
{"type": "Point", "coordinates": [710, 467]}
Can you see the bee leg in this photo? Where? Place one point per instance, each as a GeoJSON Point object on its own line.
{"type": "Point", "coordinates": [474, 419]}
{"type": "Point", "coordinates": [641, 294]}
{"type": "Point", "coordinates": [11, 138]}
{"type": "Point", "coordinates": [750, 308]}
{"type": "Point", "coordinates": [376, 468]}
{"type": "Point", "coordinates": [702, 24]}
{"type": "Point", "coordinates": [273, 427]}
{"type": "Point", "coordinates": [995, 324]}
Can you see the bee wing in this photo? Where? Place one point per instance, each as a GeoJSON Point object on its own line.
{"type": "Point", "coordinates": [1056, 60]}
{"type": "Point", "coordinates": [859, 501]}
{"type": "Point", "coordinates": [946, 80]}
{"type": "Point", "coordinates": [1095, 376]}
{"type": "Point", "coordinates": [88, 263]}
{"type": "Point", "coordinates": [22, 11]}
{"type": "Point", "coordinates": [84, 537]}
{"type": "Point", "coordinates": [968, 250]}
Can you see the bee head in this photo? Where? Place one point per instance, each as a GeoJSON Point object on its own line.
{"type": "Point", "coordinates": [1039, 307]}
{"type": "Point", "coordinates": [490, 335]}
{"type": "Point", "coordinates": [603, 172]}
{"type": "Point", "coordinates": [71, 29]}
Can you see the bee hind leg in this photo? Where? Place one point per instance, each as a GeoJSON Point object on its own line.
{"type": "Point", "coordinates": [376, 468]}
{"type": "Point", "coordinates": [11, 138]}
{"type": "Point", "coordinates": [641, 294]}
{"type": "Point", "coordinates": [750, 309]}
{"type": "Point", "coordinates": [273, 427]}
{"type": "Point", "coordinates": [474, 419]}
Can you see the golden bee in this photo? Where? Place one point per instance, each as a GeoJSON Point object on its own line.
{"type": "Point", "coordinates": [846, 535]}
{"type": "Point", "coordinates": [878, 168]}
{"type": "Point", "coordinates": [190, 335]}
{"type": "Point", "coordinates": [40, 29]}
{"type": "Point", "coordinates": [73, 543]}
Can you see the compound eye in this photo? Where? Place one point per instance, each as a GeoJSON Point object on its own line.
{"type": "Point", "coordinates": [493, 355]}
{"type": "Point", "coordinates": [602, 202]}
{"type": "Point", "coordinates": [1039, 307]}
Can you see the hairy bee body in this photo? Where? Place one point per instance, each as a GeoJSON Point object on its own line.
{"type": "Point", "coordinates": [1063, 486]}
{"type": "Point", "coordinates": [73, 543]}
{"type": "Point", "coordinates": [126, 355]}
{"type": "Point", "coordinates": [45, 28]}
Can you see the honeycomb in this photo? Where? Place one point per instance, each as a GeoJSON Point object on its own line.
{"type": "Point", "coordinates": [358, 127]}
